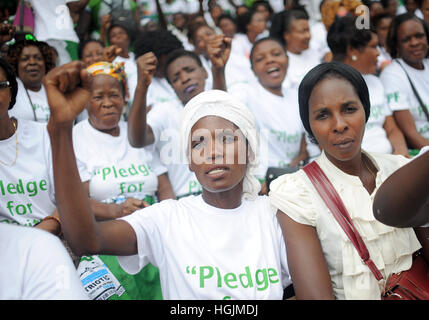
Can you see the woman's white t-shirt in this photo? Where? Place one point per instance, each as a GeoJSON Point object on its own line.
{"type": "Point", "coordinates": [27, 187]}
{"type": "Point", "coordinates": [36, 266]}
{"type": "Point", "coordinates": [204, 252]}
{"type": "Point", "coordinates": [279, 124]}
{"type": "Point", "coordinates": [299, 65]}
{"type": "Point", "coordinates": [400, 95]}
{"type": "Point", "coordinates": [23, 108]}
{"type": "Point", "coordinates": [384, 56]}
{"type": "Point", "coordinates": [238, 67]}
{"type": "Point", "coordinates": [164, 120]}
{"type": "Point", "coordinates": [160, 91]}
{"type": "Point", "coordinates": [112, 166]}
{"type": "Point", "coordinates": [375, 137]}
{"type": "Point", "coordinates": [52, 20]}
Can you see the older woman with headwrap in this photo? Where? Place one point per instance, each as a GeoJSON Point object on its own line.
{"type": "Point", "coordinates": [223, 244]}
{"type": "Point", "coordinates": [118, 178]}
{"type": "Point", "coordinates": [334, 107]}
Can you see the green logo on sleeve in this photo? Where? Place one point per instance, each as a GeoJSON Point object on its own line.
{"type": "Point", "coordinates": [394, 96]}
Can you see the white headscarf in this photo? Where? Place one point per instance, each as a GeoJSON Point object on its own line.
{"type": "Point", "coordinates": [222, 104]}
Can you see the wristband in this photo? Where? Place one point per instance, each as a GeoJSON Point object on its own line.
{"type": "Point", "coordinates": [56, 219]}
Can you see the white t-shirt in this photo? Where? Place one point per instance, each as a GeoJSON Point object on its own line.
{"type": "Point", "coordinates": [112, 166]}
{"type": "Point", "coordinates": [400, 95]}
{"type": "Point", "coordinates": [27, 187]}
{"type": "Point", "coordinates": [207, 65]}
{"type": "Point", "coordinates": [160, 91]}
{"type": "Point", "coordinates": [278, 121]}
{"type": "Point", "coordinates": [36, 266]}
{"type": "Point", "coordinates": [375, 137]}
{"type": "Point", "coordinates": [384, 56]}
{"type": "Point", "coordinates": [318, 40]}
{"type": "Point", "coordinates": [131, 71]}
{"type": "Point", "coordinates": [299, 65]}
{"type": "Point", "coordinates": [23, 107]}
{"type": "Point", "coordinates": [238, 67]}
{"type": "Point", "coordinates": [204, 252]}
{"type": "Point", "coordinates": [184, 6]}
{"type": "Point", "coordinates": [52, 20]}
{"type": "Point", "coordinates": [164, 120]}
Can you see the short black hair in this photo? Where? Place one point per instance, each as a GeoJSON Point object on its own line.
{"type": "Point", "coordinates": [392, 35]}
{"type": "Point", "coordinates": [83, 44]}
{"type": "Point", "coordinates": [225, 16]}
{"type": "Point", "coordinates": [264, 3]}
{"type": "Point", "coordinates": [385, 3]}
{"type": "Point", "coordinates": [323, 71]}
{"type": "Point", "coordinates": [120, 25]}
{"type": "Point", "coordinates": [377, 18]}
{"type": "Point", "coordinates": [193, 28]}
{"type": "Point", "coordinates": [243, 20]}
{"type": "Point", "coordinates": [282, 22]}
{"type": "Point", "coordinates": [160, 42]}
{"type": "Point", "coordinates": [11, 77]}
{"type": "Point", "coordinates": [176, 54]}
{"type": "Point", "coordinates": [343, 34]}
{"type": "Point", "coordinates": [263, 40]}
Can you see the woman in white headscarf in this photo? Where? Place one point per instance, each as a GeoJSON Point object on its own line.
{"type": "Point", "coordinates": [223, 244]}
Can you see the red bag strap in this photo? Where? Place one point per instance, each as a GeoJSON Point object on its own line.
{"type": "Point", "coordinates": [333, 201]}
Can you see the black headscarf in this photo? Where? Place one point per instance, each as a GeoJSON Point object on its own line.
{"type": "Point", "coordinates": [322, 71]}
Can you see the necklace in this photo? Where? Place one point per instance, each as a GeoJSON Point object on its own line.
{"type": "Point", "coordinates": [16, 148]}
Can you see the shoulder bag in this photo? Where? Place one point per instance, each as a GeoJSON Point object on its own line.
{"type": "Point", "coordinates": [412, 284]}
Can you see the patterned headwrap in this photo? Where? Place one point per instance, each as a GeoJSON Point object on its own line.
{"type": "Point", "coordinates": [115, 70]}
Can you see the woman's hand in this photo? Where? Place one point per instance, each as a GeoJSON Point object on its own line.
{"type": "Point", "coordinates": [130, 205]}
{"type": "Point", "coordinates": [219, 49]}
{"type": "Point", "coordinates": [111, 52]}
{"type": "Point", "coordinates": [146, 66]}
{"type": "Point", "coordinates": [68, 91]}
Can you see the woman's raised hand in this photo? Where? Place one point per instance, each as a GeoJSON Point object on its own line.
{"type": "Point", "coordinates": [146, 67]}
{"type": "Point", "coordinates": [219, 49]}
{"type": "Point", "coordinates": [111, 52]}
{"type": "Point", "coordinates": [68, 91]}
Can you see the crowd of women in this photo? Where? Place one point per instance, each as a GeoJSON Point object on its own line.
{"type": "Point", "coordinates": [146, 162]}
